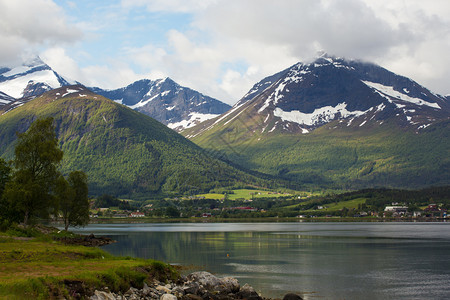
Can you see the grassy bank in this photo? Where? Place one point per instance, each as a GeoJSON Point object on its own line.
{"type": "Point", "coordinates": [41, 268]}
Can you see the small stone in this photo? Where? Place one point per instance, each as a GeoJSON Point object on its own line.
{"type": "Point", "coordinates": [191, 288]}
{"type": "Point", "coordinates": [168, 297]}
{"type": "Point", "coordinates": [146, 290]}
{"type": "Point", "coordinates": [182, 279]}
{"type": "Point", "coordinates": [248, 292]}
{"type": "Point", "coordinates": [230, 285]}
{"type": "Point", "coordinates": [100, 295]}
{"type": "Point", "coordinates": [178, 291]}
{"type": "Point", "coordinates": [191, 297]}
{"type": "Point", "coordinates": [208, 280]}
{"type": "Point", "coordinates": [163, 289]}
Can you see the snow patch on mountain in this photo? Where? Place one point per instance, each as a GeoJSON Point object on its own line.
{"type": "Point", "coordinates": [17, 71]}
{"type": "Point", "coordinates": [69, 91]}
{"type": "Point", "coordinates": [15, 87]}
{"type": "Point", "coordinates": [390, 92]}
{"type": "Point", "coordinates": [143, 103]}
{"type": "Point", "coordinates": [318, 116]}
{"type": "Point", "coordinates": [235, 108]}
{"type": "Point", "coordinates": [194, 119]}
{"type": "Point", "coordinates": [294, 76]}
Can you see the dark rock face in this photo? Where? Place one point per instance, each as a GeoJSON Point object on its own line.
{"type": "Point", "coordinates": [166, 101]}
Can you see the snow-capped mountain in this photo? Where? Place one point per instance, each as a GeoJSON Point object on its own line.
{"type": "Point", "coordinates": [336, 122]}
{"type": "Point", "coordinates": [31, 79]}
{"type": "Point", "coordinates": [166, 101]}
{"type": "Point", "coordinates": [27, 81]}
{"type": "Point", "coordinates": [307, 96]}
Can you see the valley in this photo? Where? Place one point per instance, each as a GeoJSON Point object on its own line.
{"type": "Point", "coordinates": [333, 124]}
{"type": "Point", "coordinates": [222, 150]}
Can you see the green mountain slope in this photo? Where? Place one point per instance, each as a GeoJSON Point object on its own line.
{"type": "Point", "coordinates": [123, 152]}
{"type": "Point", "coordinates": [343, 157]}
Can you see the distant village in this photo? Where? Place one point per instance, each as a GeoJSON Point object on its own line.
{"type": "Point", "coordinates": [395, 210]}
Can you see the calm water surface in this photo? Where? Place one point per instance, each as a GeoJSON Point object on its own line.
{"type": "Point", "coordinates": [316, 260]}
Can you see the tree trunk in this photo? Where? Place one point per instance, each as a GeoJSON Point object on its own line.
{"type": "Point", "coordinates": [25, 219]}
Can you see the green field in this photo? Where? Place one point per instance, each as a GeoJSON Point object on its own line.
{"type": "Point", "coordinates": [246, 194]}
{"type": "Point", "coordinates": [350, 204]}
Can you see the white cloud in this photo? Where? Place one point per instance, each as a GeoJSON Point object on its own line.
{"type": "Point", "coordinates": [412, 38]}
{"type": "Point", "coordinates": [26, 25]}
{"type": "Point", "coordinates": [229, 45]}
{"type": "Point", "coordinates": [110, 76]}
{"type": "Point", "coordinates": [59, 61]}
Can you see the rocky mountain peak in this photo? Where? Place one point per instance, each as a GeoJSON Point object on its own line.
{"type": "Point", "coordinates": [350, 93]}
{"type": "Point", "coordinates": [165, 100]}
{"type": "Point", "coordinates": [34, 61]}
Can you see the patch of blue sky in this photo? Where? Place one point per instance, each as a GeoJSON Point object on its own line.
{"type": "Point", "coordinates": [110, 30]}
{"type": "Point", "coordinates": [238, 65]}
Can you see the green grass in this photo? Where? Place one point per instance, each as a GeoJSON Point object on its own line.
{"type": "Point", "coordinates": [343, 157]}
{"type": "Point", "coordinates": [245, 194]}
{"type": "Point", "coordinates": [212, 196]}
{"type": "Point", "coordinates": [36, 269]}
{"type": "Point", "coordinates": [253, 194]}
{"type": "Point", "coordinates": [350, 204]}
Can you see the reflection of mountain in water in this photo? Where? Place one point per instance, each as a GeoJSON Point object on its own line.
{"type": "Point", "coordinates": [330, 260]}
{"type": "Point", "coordinates": [196, 248]}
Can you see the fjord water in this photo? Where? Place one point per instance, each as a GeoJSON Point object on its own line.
{"type": "Point", "coordinates": [316, 260]}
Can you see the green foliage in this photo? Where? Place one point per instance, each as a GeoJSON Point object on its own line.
{"type": "Point", "coordinates": [5, 175]}
{"type": "Point", "coordinates": [23, 231]}
{"type": "Point", "coordinates": [172, 212]}
{"type": "Point", "coordinates": [73, 199]}
{"type": "Point", "coordinates": [36, 160]}
{"type": "Point", "coordinates": [110, 201]}
{"type": "Point", "coordinates": [37, 188]}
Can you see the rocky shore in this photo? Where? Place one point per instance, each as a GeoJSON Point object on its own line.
{"type": "Point", "coordinates": [85, 240]}
{"type": "Point", "coordinates": [195, 286]}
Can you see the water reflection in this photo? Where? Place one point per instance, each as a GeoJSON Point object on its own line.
{"type": "Point", "coordinates": [331, 260]}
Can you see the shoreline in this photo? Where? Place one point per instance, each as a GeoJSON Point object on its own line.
{"type": "Point", "coordinates": [199, 285]}
{"type": "Point", "coordinates": [260, 220]}
{"type": "Point", "coordinates": [97, 274]}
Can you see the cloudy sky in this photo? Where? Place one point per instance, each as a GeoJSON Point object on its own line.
{"type": "Point", "coordinates": [222, 47]}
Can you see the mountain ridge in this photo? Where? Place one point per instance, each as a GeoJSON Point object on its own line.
{"type": "Point", "coordinates": [123, 152]}
{"type": "Point", "coordinates": [330, 106]}
{"type": "Point", "coordinates": [163, 99]}
{"type": "Point", "coordinates": [176, 106]}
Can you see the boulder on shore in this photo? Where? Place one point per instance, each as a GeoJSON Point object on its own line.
{"type": "Point", "coordinates": [196, 286]}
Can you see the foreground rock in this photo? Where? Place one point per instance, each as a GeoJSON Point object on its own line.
{"type": "Point", "coordinates": [86, 240]}
{"type": "Point", "coordinates": [196, 286]}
